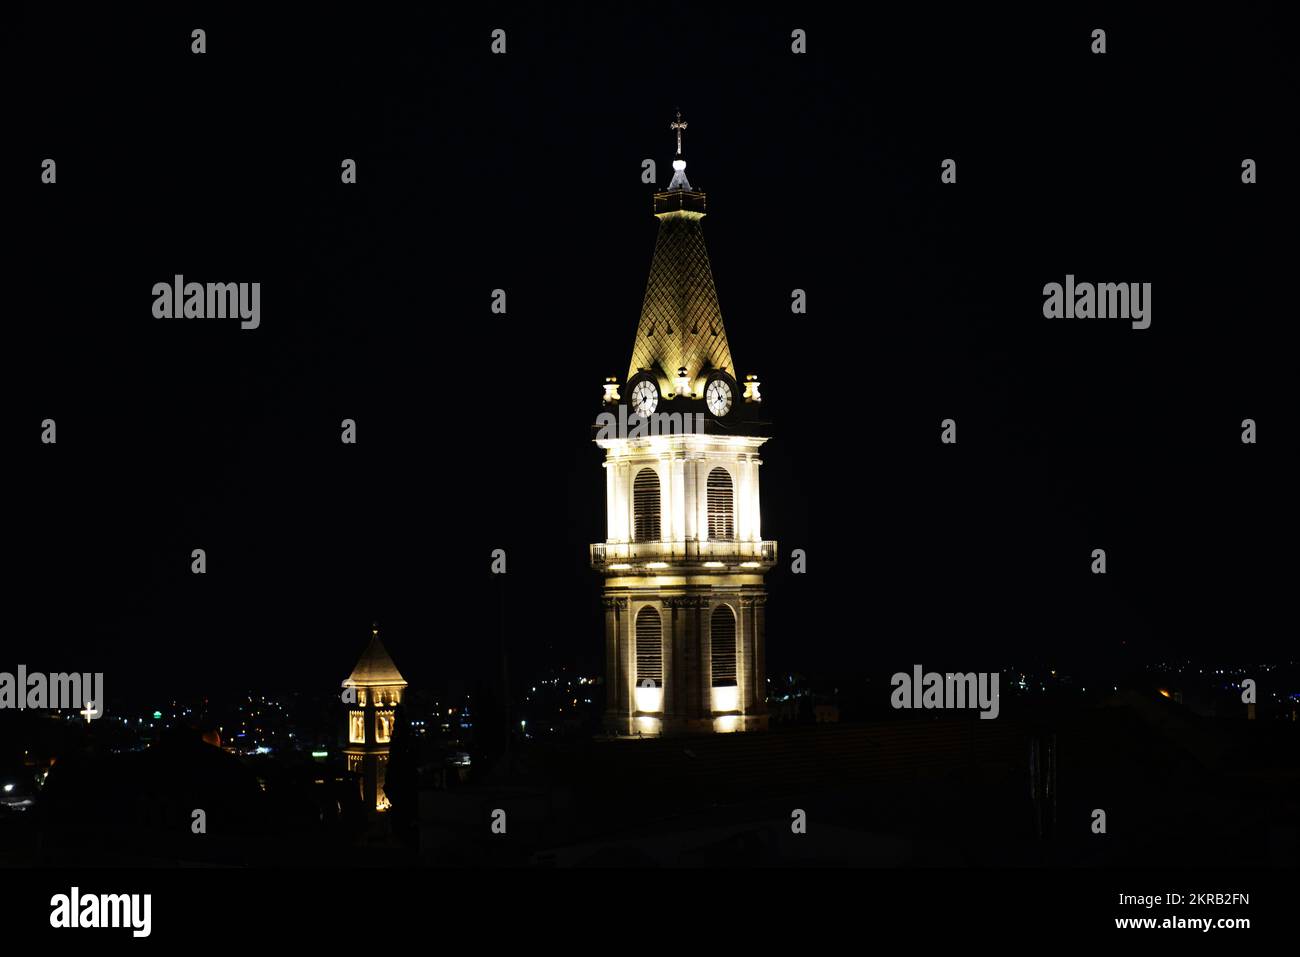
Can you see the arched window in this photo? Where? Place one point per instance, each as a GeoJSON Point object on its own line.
{"type": "Point", "coordinates": [649, 647]}
{"type": "Point", "coordinates": [383, 727]}
{"type": "Point", "coordinates": [722, 522]}
{"type": "Point", "coordinates": [722, 630]}
{"type": "Point", "coordinates": [645, 506]}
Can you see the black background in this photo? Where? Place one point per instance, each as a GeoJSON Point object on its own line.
{"type": "Point", "coordinates": [523, 172]}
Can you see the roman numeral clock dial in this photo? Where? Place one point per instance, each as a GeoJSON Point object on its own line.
{"type": "Point", "coordinates": [718, 398]}
{"type": "Point", "coordinates": [645, 398]}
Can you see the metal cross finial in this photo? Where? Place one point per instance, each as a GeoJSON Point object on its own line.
{"type": "Point", "coordinates": [678, 125]}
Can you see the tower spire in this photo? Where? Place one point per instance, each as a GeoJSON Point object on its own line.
{"type": "Point", "coordinates": [680, 335]}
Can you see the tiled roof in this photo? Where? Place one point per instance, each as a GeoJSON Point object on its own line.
{"type": "Point", "coordinates": [681, 322]}
{"type": "Point", "coordinates": [375, 668]}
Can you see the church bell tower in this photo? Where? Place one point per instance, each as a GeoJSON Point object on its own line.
{"type": "Point", "coordinates": [684, 555]}
{"type": "Point", "coordinates": [372, 692]}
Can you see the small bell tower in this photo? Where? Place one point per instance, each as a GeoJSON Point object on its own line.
{"type": "Point", "coordinates": [371, 693]}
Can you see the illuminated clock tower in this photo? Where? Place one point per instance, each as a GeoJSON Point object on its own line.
{"type": "Point", "coordinates": [684, 555]}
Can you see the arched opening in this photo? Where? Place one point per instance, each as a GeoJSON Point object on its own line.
{"type": "Point", "coordinates": [645, 506]}
{"type": "Point", "coordinates": [722, 651]}
{"type": "Point", "coordinates": [722, 632]}
{"type": "Point", "coordinates": [649, 648]}
{"type": "Point", "coordinates": [722, 521]}
{"type": "Point", "coordinates": [383, 727]}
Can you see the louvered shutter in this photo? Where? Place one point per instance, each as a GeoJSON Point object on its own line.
{"type": "Point", "coordinates": [645, 506]}
{"type": "Point", "coordinates": [650, 647]}
{"type": "Point", "coordinates": [722, 628]}
{"type": "Point", "coordinates": [722, 523]}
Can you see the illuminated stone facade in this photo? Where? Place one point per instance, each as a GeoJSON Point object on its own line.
{"type": "Point", "coordinates": [684, 556]}
{"type": "Point", "coordinates": [371, 693]}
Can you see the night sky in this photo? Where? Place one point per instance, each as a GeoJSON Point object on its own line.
{"type": "Point", "coordinates": [523, 172]}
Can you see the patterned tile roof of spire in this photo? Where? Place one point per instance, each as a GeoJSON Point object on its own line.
{"type": "Point", "coordinates": [681, 321]}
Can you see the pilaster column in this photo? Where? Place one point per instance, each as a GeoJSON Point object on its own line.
{"type": "Point", "coordinates": [689, 469]}
{"type": "Point", "coordinates": [664, 470]}
{"type": "Point", "coordinates": [743, 518]}
{"type": "Point", "coordinates": [677, 465]}
{"type": "Point", "coordinates": [749, 497]}
{"type": "Point", "coordinates": [667, 628]}
{"type": "Point", "coordinates": [702, 496]}
{"type": "Point", "coordinates": [703, 619]}
{"type": "Point", "coordinates": [621, 676]}
{"type": "Point", "coordinates": [611, 502]}
{"type": "Point", "coordinates": [745, 611]}
{"type": "Point", "coordinates": [690, 658]}
{"type": "Point", "coordinates": [629, 659]}
{"type": "Point", "coordinates": [611, 655]}
{"type": "Point", "coordinates": [625, 492]}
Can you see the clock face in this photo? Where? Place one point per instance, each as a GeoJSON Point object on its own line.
{"type": "Point", "coordinates": [718, 397]}
{"type": "Point", "coordinates": [645, 397]}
